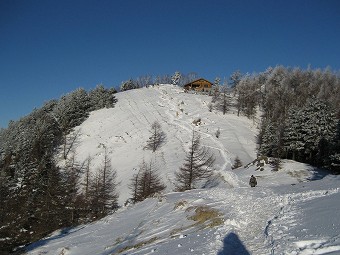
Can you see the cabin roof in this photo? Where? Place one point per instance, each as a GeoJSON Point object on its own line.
{"type": "Point", "coordinates": [198, 80]}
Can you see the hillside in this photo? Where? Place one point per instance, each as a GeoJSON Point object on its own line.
{"type": "Point", "coordinates": [287, 213]}
{"type": "Point", "coordinates": [125, 129]}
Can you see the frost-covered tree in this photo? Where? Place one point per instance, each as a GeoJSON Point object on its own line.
{"type": "Point", "coordinates": [128, 85]}
{"type": "Point", "coordinates": [176, 78]}
{"type": "Point", "coordinates": [333, 159]}
{"type": "Point", "coordinates": [217, 81]}
{"type": "Point", "coordinates": [223, 101]}
{"type": "Point", "coordinates": [157, 137]}
{"type": "Point", "coordinates": [143, 81]}
{"type": "Point", "coordinates": [72, 109]}
{"type": "Point", "coordinates": [247, 96]}
{"type": "Point", "coordinates": [197, 166]}
{"type": "Point", "coordinates": [39, 197]}
{"type": "Point", "coordinates": [102, 97]}
{"type": "Point", "coordinates": [293, 139]}
{"type": "Point", "coordinates": [268, 139]}
{"type": "Point", "coordinates": [307, 128]}
{"type": "Point", "coordinates": [215, 90]}
{"type": "Point", "coordinates": [235, 78]}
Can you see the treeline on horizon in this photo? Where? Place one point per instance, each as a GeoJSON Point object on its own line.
{"type": "Point", "coordinates": [300, 112]}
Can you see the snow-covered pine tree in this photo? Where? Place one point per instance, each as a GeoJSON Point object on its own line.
{"type": "Point", "coordinates": [175, 78]}
{"type": "Point", "coordinates": [128, 85]}
{"type": "Point", "coordinates": [215, 90]}
{"type": "Point", "coordinates": [101, 97]}
{"type": "Point", "coordinates": [319, 124]}
{"type": "Point", "coordinates": [306, 128]}
{"type": "Point", "coordinates": [235, 78]}
{"type": "Point", "coordinates": [217, 81]}
{"type": "Point", "coordinates": [333, 159]}
{"type": "Point", "coordinates": [293, 141]}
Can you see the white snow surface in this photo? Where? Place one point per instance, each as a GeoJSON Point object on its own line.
{"type": "Point", "coordinates": [292, 211]}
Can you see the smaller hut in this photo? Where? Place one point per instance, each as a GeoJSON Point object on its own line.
{"type": "Point", "coordinates": [199, 85]}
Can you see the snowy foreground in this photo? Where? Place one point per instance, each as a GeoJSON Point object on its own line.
{"type": "Point", "coordinates": [293, 211]}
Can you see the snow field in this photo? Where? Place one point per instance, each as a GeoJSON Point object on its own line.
{"type": "Point", "coordinates": [286, 213]}
{"type": "Point", "coordinates": [124, 131]}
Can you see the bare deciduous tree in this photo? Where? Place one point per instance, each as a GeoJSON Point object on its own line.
{"type": "Point", "coordinates": [223, 100]}
{"type": "Point", "coordinates": [146, 182]}
{"type": "Point", "coordinates": [197, 166]}
{"type": "Point", "coordinates": [70, 142]}
{"type": "Point", "coordinates": [103, 189]}
{"type": "Point", "coordinates": [87, 176]}
{"type": "Point", "coordinates": [157, 137]}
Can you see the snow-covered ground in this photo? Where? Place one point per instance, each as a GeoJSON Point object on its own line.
{"type": "Point", "coordinates": [293, 211]}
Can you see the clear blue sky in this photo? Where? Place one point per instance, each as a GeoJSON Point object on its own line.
{"type": "Point", "coordinates": [51, 47]}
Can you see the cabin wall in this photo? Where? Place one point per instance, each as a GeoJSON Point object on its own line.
{"type": "Point", "coordinates": [199, 85]}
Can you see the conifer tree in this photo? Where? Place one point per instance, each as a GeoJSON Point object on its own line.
{"type": "Point", "coordinates": [237, 163]}
{"type": "Point", "coordinates": [223, 100]}
{"type": "Point", "coordinates": [197, 166]}
{"type": "Point", "coordinates": [176, 78]}
{"type": "Point", "coordinates": [157, 137]}
{"type": "Point", "coordinates": [146, 182]}
{"type": "Point", "coordinates": [103, 194]}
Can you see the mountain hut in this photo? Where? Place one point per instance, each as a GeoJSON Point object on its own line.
{"type": "Point", "coordinates": [199, 85]}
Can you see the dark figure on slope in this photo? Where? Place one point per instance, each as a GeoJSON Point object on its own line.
{"type": "Point", "coordinates": [252, 181]}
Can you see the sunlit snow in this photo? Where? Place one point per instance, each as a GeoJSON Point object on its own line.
{"type": "Point", "coordinates": [293, 211]}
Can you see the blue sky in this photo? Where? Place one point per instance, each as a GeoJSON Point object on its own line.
{"type": "Point", "coordinates": [49, 48]}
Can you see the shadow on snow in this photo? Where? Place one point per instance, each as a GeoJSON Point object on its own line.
{"type": "Point", "coordinates": [64, 232]}
{"type": "Point", "coordinates": [232, 245]}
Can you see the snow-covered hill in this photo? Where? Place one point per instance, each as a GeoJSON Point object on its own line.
{"type": "Point", "coordinates": [287, 213]}
{"type": "Point", "coordinates": [125, 129]}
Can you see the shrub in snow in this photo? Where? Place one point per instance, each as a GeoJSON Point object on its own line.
{"type": "Point", "coordinates": [237, 163]}
{"type": "Point", "coordinates": [218, 133]}
{"type": "Point", "coordinates": [197, 121]}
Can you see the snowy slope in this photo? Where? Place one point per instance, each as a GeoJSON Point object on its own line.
{"type": "Point", "coordinates": [125, 129]}
{"type": "Point", "coordinates": [293, 211]}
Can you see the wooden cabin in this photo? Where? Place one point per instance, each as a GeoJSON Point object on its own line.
{"type": "Point", "coordinates": [199, 85]}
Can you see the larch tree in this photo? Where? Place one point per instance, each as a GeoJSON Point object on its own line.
{"type": "Point", "coordinates": [235, 78]}
{"type": "Point", "coordinates": [157, 137]}
{"type": "Point", "coordinates": [145, 183]}
{"type": "Point", "coordinates": [197, 166]}
{"type": "Point", "coordinates": [104, 197]}
{"type": "Point", "coordinates": [223, 101]}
